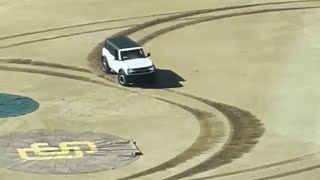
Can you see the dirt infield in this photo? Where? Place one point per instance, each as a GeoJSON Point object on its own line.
{"type": "Point", "coordinates": [227, 105]}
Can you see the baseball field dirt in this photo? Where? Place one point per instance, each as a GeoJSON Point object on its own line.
{"type": "Point", "coordinates": [237, 96]}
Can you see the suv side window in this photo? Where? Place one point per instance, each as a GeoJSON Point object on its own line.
{"type": "Point", "coordinates": [109, 48]}
{"type": "Point", "coordinates": [106, 45]}
{"type": "Point", "coordinates": [112, 50]}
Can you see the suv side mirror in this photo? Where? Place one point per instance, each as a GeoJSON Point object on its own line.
{"type": "Point", "coordinates": [148, 54]}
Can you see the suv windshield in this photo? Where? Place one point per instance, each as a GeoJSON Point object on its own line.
{"type": "Point", "coordinates": [132, 54]}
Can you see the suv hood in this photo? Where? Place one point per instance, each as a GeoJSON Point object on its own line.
{"type": "Point", "coordinates": [138, 63]}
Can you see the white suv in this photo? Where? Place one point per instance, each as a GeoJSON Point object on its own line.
{"type": "Point", "coordinates": [125, 57]}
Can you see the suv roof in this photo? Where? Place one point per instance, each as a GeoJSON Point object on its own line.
{"type": "Point", "coordinates": [122, 42]}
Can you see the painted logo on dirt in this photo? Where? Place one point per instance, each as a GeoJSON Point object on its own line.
{"type": "Point", "coordinates": [61, 152]}
{"type": "Point", "coordinates": [42, 151]}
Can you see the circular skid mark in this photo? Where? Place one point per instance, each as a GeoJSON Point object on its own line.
{"type": "Point", "coordinates": [43, 64]}
{"type": "Point", "coordinates": [15, 105]}
{"type": "Point", "coordinates": [210, 134]}
{"type": "Point", "coordinates": [145, 25]}
{"type": "Point", "coordinates": [59, 152]}
{"type": "Point", "coordinates": [207, 138]}
{"type": "Point", "coordinates": [246, 131]}
{"type": "Point", "coordinates": [225, 112]}
{"type": "Point", "coordinates": [199, 20]}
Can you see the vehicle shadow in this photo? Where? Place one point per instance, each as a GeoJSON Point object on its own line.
{"type": "Point", "coordinates": [165, 79]}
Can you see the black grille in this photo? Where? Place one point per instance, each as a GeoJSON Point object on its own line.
{"type": "Point", "coordinates": [141, 70]}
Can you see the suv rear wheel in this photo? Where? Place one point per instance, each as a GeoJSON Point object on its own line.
{"type": "Point", "coordinates": [105, 66]}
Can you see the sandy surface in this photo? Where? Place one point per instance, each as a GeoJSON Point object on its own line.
{"type": "Point", "coordinates": [264, 64]}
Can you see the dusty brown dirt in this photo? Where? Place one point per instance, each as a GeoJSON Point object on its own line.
{"type": "Point", "coordinates": [190, 130]}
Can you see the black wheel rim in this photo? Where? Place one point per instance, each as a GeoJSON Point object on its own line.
{"type": "Point", "coordinates": [104, 66]}
{"type": "Point", "coordinates": [121, 79]}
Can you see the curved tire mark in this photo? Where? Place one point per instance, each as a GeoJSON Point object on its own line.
{"type": "Point", "coordinates": [57, 74]}
{"type": "Point", "coordinates": [94, 56]}
{"type": "Point", "coordinates": [211, 18]}
{"type": "Point", "coordinates": [112, 20]}
{"type": "Point", "coordinates": [297, 159]}
{"type": "Point", "coordinates": [135, 29]}
{"type": "Point", "coordinates": [44, 64]}
{"type": "Point", "coordinates": [232, 145]}
{"type": "Point", "coordinates": [196, 12]}
{"type": "Point", "coordinates": [82, 25]}
{"type": "Point", "coordinates": [209, 128]}
{"type": "Point", "coordinates": [209, 135]}
{"type": "Point", "coordinates": [198, 113]}
{"type": "Point", "coordinates": [246, 130]}
{"type": "Point", "coordinates": [291, 173]}
{"type": "Point", "coordinates": [93, 59]}
{"type": "Point", "coordinates": [63, 36]}
{"type": "Point", "coordinates": [251, 5]}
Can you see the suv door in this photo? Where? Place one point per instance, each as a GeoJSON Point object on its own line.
{"type": "Point", "coordinates": [107, 51]}
{"type": "Point", "coordinates": [113, 59]}
{"type": "Point", "coordinates": [116, 61]}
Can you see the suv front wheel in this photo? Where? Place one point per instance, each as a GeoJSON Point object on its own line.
{"type": "Point", "coordinates": [123, 78]}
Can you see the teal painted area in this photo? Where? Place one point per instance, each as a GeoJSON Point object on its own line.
{"type": "Point", "coordinates": [15, 105]}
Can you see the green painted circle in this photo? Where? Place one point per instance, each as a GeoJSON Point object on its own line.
{"type": "Point", "coordinates": [15, 105]}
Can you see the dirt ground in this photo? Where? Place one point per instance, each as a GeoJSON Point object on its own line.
{"type": "Point", "coordinates": [238, 93]}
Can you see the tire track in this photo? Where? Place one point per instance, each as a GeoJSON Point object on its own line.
{"type": "Point", "coordinates": [69, 35]}
{"type": "Point", "coordinates": [94, 56]}
{"type": "Point", "coordinates": [209, 135]}
{"type": "Point", "coordinates": [198, 113]}
{"type": "Point", "coordinates": [245, 132]}
{"type": "Point", "coordinates": [291, 173]}
{"type": "Point", "coordinates": [64, 36]}
{"type": "Point", "coordinates": [297, 159]}
{"type": "Point", "coordinates": [197, 12]}
{"type": "Point", "coordinates": [138, 26]}
{"type": "Point", "coordinates": [58, 74]}
{"type": "Point", "coordinates": [44, 64]}
{"type": "Point", "coordinates": [158, 33]}
{"type": "Point", "coordinates": [68, 68]}
{"type": "Point", "coordinates": [84, 24]}
{"type": "Point", "coordinates": [109, 21]}
{"type": "Point", "coordinates": [162, 20]}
